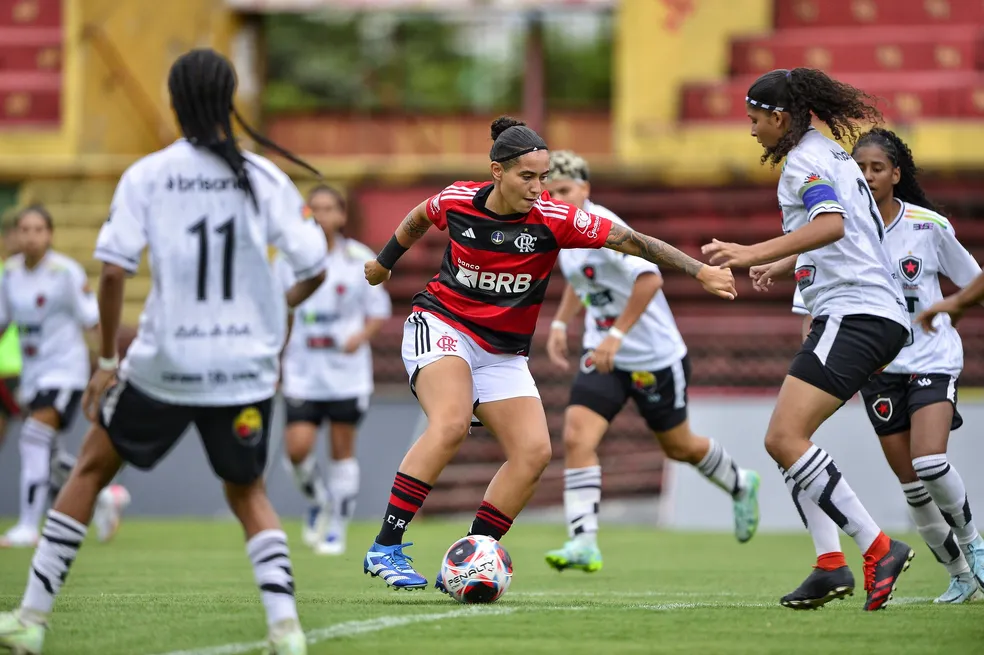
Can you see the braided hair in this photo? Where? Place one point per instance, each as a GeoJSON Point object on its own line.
{"type": "Point", "coordinates": [202, 83]}
{"type": "Point", "coordinates": [907, 189]}
{"type": "Point", "coordinates": [805, 93]}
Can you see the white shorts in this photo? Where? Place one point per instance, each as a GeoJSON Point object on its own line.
{"type": "Point", "coordinates": [426, 339]}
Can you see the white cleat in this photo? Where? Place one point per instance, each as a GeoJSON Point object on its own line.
{"type": "Point", "coordinates": [109, 511]}
{"type": "Point", "coordinates": [20, 536]}
{"type": "Point", "coordinates": [974, 553]}
{"type": "Point", "coordinates": [313, 529]}
{"type": "Point", "coordinates": [962, 589]}
{"type": "Point", "coordinates": [331, 545]}
{"type": "Point", "coordinates": [287, 638]}
{"type": "Point", "coordinates": [19, 637]}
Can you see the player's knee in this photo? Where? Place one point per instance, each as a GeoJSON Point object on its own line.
{"type": "Point", "coordinates": [677, 448]}
{"type": "Point", "coordinates": [576, 439]}
{"type": "Point", "coordinates": [297, 450]}
{"type": "Point", "coordinates": [450, 429]}
{"type": "Point", "coordinates": [775, 441]}
{"type": "Point", "coordinates": [536, 456]}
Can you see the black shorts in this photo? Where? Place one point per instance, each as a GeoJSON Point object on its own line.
{"type": "Point", "coordinates": [9, 407]}
{"type": "Point", "coordinates": [842, 352]}
{"type": "Point", "coordinates": [350, 410]}
{"type": "Point", "coordinates": [661, 396]}
{"type": "Point", "coordinates": [64, 401]}
{"type": "Point", "coordinates": [892, 398]}
{"type": "Point", "coordinates": [143, 430]}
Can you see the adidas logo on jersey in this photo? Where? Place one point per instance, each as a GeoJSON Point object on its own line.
{"type": "Point", "coordinates": [199, 183]}
{"type": "Point", "coordinates": [470, 233]}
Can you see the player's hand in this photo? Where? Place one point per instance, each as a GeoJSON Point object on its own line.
{"type": "Point", "coordinates": [557, 349]}
{"type": "Point", "coordinates": [376, 273]}
{"type": "Point", "coordinates": [728, 255]}
{"type": "Point", "coordinates": [946, 306]}
{"type": "Point", "coordinates": [762, 276]}
{"type": "Point", "coordinates": [100, 382]}
{"type": "Point", "coordinates": [604, 354]}
{"type": "Point", "coordinates": [354, 342]}
{"type": "Point", "coordinates": [719, 281]}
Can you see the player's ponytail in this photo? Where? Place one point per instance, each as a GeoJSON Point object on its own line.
{"type": "Point", "coordinates": [202, 84]}
{"type": "Point", "coordinates": [511, 139]}
{"type": "Point", "coordinates": [805, 93]}
{"type": "Point", "coordinates": [908, 188]}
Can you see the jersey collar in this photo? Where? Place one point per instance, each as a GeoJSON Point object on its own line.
{"type": "Point", "coordinates": [898, 217]}
{"type": "Point", "coordinates": [478, 202]}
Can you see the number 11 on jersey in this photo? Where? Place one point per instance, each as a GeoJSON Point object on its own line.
{"type": "Point", "coordinates": [228, 231]}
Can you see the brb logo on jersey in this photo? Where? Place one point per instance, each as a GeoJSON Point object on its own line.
{"type": "Point", "coordinates": [525, 242]}
{"type": "Point", "coordinates": [470, 276]}
{"type": "Point", "coordinates": [910, 267]}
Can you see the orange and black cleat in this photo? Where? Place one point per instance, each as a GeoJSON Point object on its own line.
{"type": "Point", "coordinates": [881, 574]}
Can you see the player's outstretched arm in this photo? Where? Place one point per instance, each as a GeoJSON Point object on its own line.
{"type": "Point", "coordinates": [825, 229]}
{"type": "Point", "coordinates": [954, 305]}
{"type": "Point", "coordinates": [715, 280]}
{"type": "Point", "coordinates": [411, 229]}
{"type": "Point", "coordinates": [304, 289]}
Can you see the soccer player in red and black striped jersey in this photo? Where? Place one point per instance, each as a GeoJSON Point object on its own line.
{"type": "Point", "coordinates": [466, 342]}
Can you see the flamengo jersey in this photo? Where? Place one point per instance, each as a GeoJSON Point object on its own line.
{"type": "Point", "coordinates": [315, 364]}
{"type": "Point", "coordinates": [496, 268]}
{"type": "Point", "coordinates": [603, 281]}
{"type": "Point", "coordinates": [52, 305]}
{"type": "Point", "coordinates": [922, 246]}
{"type": "Point", "coordinates": [216, 318]}
{"type": "Point", "coordinates": [853, 275]}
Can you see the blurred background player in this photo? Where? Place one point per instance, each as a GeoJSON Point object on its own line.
{"type": "Point", "coordinates": [912, 404]}
{"type": "Point", "coordinates": [632, 349]}
{"type": "Point", "coordinates": [327, 373]}
{"type": "Point", "coordinates": [46, 294]}
{"type": "Point", "coordinates": [10, 355]}
{"type": "Point", "coordinates": [210, 357]}
{"type": "Point", "coordinates": [466, 343]}
{"type": "Point", "coordinates": [833, 242]}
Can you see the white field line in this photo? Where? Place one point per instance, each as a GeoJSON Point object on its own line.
{"type": "Point", "coordinates": [355, 628]}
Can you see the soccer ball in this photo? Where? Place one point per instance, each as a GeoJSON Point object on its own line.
{"type": "Point", "coordinates": [476, 569]}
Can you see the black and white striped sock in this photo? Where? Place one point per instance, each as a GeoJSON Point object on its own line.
{"type": "Point", "coordinates": [933, 529]}
{"type": "Point", "coordinates": [61, 538]}
{"type": "Point", "coordinates": [582, 500]}
{"type": "Point", "coordinates": [718, 467]}
{"type": "Point", "coordinates": [274, 574]}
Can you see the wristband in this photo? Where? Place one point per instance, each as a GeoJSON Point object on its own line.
{"type": "Point", "coordinates": [558, 325]}
{"type": "Point", "coordinates": [109, 363]}
{"type": "Point", "coordinates": [615, 332]}
{"type": "Point", "coordinates": [390, 253]}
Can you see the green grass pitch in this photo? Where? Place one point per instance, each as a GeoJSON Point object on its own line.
{"type": "Point", "coordinates": [186, 586]}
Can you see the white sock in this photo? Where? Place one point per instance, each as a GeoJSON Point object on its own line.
{"type": "Point", "coordinates": [820, 479]}
{"type": "Point", "coordinates": [582, 500]}
{"type": "Point", "coordinates": [947, 488]}
{"type": "Point", "coordinates": [343, 488]}
{"type": "Point", "coordinates": [62, 463]}
{"type": "Point", "coordinates": [823, 531]}
{"type": "Point", "coordinates": [718, 467]}
{"type": "Point", "coordinates": [270, 556]}
{"type": "Point", "coordinates": [933, 529]}
{"type": "Point", "coordinates": [35, 450]}
{"type": "Point", "coordinates": [310, 482]}
{"type": "Point", "coordinates": [60, 541]}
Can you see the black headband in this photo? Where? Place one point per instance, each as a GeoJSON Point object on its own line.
{"type": "Point", "coordinates": [518, 154]}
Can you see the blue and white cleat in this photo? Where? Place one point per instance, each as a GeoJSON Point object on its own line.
{"type": "Point", "coordinates": [974, 553]}
{"type": "Point", "coordinates": [312, 532]}
{"type": "Point", "coordinates": [393, 566]}
{"type": "Point", "coordinates": [962, 588]}
{"type": "Point", "coordinates": [439, 584]}
{"type": "Point", "coordinates": [746, 506]}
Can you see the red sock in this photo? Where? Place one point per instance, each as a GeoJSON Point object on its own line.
{"type": "Point", "coordinates": [490, 522]}
{"type": "Point", "coordinates": [831, 561]}
{"type": "Point", "coordinates": [878, 548]}
{"type": "Point", "coordinates": [406, 497]}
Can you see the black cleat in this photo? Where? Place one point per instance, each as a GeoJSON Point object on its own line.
{"type": "Point", "coordinates": [881, 577]}
{"type": "Point", "coordinates": [819, 588]}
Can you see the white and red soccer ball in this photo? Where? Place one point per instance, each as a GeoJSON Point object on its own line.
{"type": "Point", "coordinates": [476, 569]}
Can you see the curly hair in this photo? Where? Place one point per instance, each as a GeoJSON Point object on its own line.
{"type": "Point", "coordinates": [907, 189]}
{"type": "Point", "coordinates": [568, 165]}
{"type": "Point", "coordinates": [805, 93]}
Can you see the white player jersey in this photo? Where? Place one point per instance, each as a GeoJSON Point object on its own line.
{"type": "Point", "coordinates": [799, 307]}
{"type": "Point", "coordinates": [603, 280]}
{"type": "Point", "coordinates": [315, 364]}
{"type": "Point", "coordinates": [853, 275]}
{"type": "Point", "coordinates": [52, 306]}
{"type": "Point", "coordinates": [923, 246]}
{"type": "Point", "coordinates": [215, 319]}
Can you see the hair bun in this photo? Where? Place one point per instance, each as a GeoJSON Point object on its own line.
{"type": "Point", "coordinates": [502, 124]}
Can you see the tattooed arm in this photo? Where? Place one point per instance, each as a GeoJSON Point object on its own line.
{"type": "Point", "coordinates": [413, 227]}
{"type": "Point", "coordinates": [718, 281]}
{"type": "Point", "coordinates": [627, 240]}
